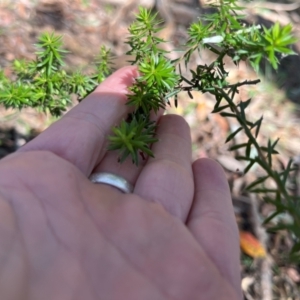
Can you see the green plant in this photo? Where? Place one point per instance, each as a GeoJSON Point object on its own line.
{"type": "Point", "coordinates": [44, 84]}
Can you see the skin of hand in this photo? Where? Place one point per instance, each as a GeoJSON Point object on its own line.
{"type": "Point", "coordinates": [63, 237]}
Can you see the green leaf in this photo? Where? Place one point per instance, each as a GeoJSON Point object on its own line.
{"type": "Point", "coordinates": [266, 149]}
{"type": "Point", "coordinates": [272, 216]}
{"type": "Point", "coordinates": [257, 181]}
{"type": "Point", "coordinates": [132, 138]}
{"type": "Point", "coordinates": [228, 115]}
{"type": "Point", "coordinates": [157, 70]}
{"type": "Point", "coordinates": [243, 105]}
{"type": "Point", "coordinates": [220, 108]}
{"type": "Point", "coordinates": [277, 40]}
{"type": "Point", "coordinates": [235, 147]}
{"type": "Point", "coordinates": [248, 148]}
{"type": "Point", "coordinates": [233, 134]}
{"type": "Point", "coordinates": [249, 166]}
{"type": "Point", "coordinates": [244, 158]}
{"type": "Point", "coordinates": [287, 171]}
{"type": "Point", "coordinates": [257, 124]}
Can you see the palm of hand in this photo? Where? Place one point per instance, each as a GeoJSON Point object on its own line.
{"type": "Point", "coordinates": [66, 238]}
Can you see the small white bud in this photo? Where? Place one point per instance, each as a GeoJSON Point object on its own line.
{"type": "Point", "coordinates": [213, 40]}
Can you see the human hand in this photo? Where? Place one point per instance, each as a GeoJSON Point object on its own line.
{"type": "Point", "coordinates": [63, 237]}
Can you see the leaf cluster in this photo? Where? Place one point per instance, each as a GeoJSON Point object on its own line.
{"type": "Point", "coordinates": [133, 135]}
{"type": "Point", "coordinates": [151, 89]}
{"type": "Point", "coordinates": [43, 83]}
{"type": "Point", "coordinates": [225, 32]}
{"type": "Point", "coordinates": [226, 35]}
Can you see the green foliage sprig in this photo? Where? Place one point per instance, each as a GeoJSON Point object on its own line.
{"type": "Point", "coordinates": [150, 91]}
{"type": "Point", "coordinates": [44, 84]}
{"type": "Point", "coordinates": [225, 34]}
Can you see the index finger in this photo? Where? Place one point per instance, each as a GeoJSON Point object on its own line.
{"type": "Point", "coordinates": [212, 220]}
{"type": "Point", "coordinates": [80, 135]}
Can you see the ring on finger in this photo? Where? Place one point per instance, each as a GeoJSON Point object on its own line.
{"type": "Point", "coordinates": [113, 180]}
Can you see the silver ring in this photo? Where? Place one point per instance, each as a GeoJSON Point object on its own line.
{"type": "Point", "coordinates": [114, 180]}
